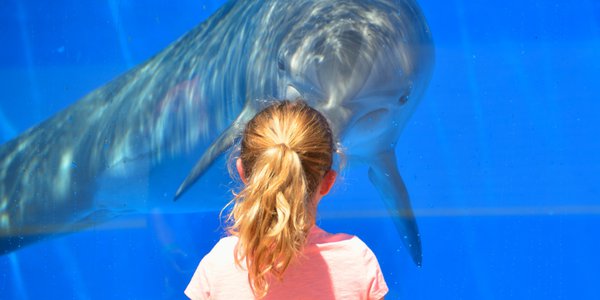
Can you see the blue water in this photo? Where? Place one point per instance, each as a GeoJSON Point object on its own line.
{"type": "Point", "coordinates": [500, 159]}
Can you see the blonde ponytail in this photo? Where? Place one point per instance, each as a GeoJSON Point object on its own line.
{"type": "Point", "coordinates": [285, 151]}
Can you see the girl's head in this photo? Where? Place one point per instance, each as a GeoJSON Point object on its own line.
{"type": "Point", "coordinates": [285, 162]}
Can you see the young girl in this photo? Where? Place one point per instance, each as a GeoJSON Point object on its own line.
{"type": "Point", "coordinates": [275, 250]}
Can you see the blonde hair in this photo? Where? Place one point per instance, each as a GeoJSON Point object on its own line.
{"type": "Point", "coordinates": [285, 151]}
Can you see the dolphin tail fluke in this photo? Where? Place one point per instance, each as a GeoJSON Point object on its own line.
{"type": "Point", "coordinates": [384, 175]}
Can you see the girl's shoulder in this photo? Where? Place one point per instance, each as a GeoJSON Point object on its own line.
{"type": "Point", "coordinates": [325, 241]}
{"type": "Point", "coordinates": [224, 247]}
{"type": "Point", "coordinates": [227, 241]}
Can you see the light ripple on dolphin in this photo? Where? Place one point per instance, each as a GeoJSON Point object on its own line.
{"type": "Point", "coordinates": [124, 146]}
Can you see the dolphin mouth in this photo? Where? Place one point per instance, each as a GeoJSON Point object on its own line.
{"type": "Point", "coordinates": [368, 125]}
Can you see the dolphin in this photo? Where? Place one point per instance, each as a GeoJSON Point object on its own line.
{"type": "Point", "coordinates": [145, 137]}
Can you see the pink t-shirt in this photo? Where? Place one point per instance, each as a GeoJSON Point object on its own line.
{"type": "Point", "coordinates": [333, 266]}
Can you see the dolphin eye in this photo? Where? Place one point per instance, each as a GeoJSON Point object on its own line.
{"type": "Point", "coordinates": [281, 64]}
{"type": "Point", "coordinates": [403, 99]}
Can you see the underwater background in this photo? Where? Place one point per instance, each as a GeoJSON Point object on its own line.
{"type": "Point", "coordinates": [501, 158]}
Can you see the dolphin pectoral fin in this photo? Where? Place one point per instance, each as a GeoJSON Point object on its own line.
{"type": "Point", "coordinates": [384, 175]}
{"type": "Point", "coordinates": [224, 141]}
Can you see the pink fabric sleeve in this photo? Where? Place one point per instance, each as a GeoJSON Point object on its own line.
{"type": "Point", "coordinates": [377, 287]}
{"type": "Point", "coordinates": [199, 286]}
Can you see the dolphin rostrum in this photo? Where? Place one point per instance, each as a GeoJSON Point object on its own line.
{"type": "Point", "coordinates": [127, 145]}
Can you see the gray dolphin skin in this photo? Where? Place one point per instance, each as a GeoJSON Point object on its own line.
{"type": "Point", "coordinates": [128, 145]}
